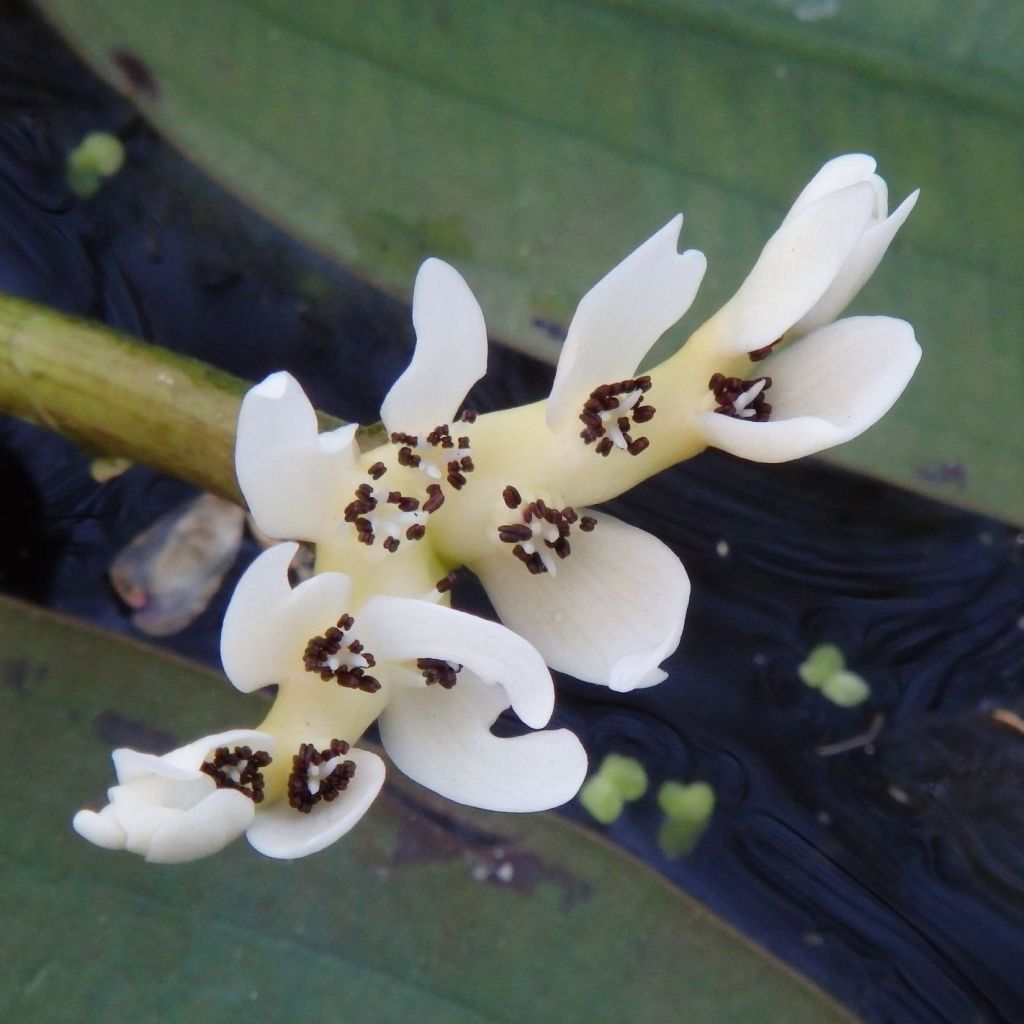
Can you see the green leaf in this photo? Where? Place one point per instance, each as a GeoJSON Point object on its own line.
{"type": "Point", "coordinates": [427, 912]}
{"type": "Point", "coordinates": [536, 143]}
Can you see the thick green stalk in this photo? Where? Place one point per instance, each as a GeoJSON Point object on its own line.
{"type": "Point", "coordinates": [116, 395]}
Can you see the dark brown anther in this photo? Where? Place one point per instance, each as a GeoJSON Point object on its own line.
{"type": "Point", "coordinates": [438, 672]}
{"type": "Point", "coordinates": [391, 544]}
{"type": "Point", "coordinates": [763, 353]}
{"type": "Point", "coordinates": [511, 497]}
{"type": "Point", "coordinates": [320, 650]}
{"type": "Point", "coordinates": [637, 446]}
{"type": "Point", "coordinates": [455, 477]}
{"type": "Point", "coordinates": [415, 532]}
{"type": "Point", "coordinates": [561, 548]}
{"type": "Point", "coordinates": [730, 390]}
{"type": "Point", "coordinates": [622, 397]}
{"type": "Point", "coordinates": [406, 458]}
{"type": "Point", "coordinates": [468, 416]}
{"type": "Point", "coordinates": [587, 523]}
{"type": "Point", "coordinates": [444, 585]}
{"type": "Point", "coordinates": [377, 470]}
{"type": "Point", "coordinates": [514, 533]}
{"type": "Point", "coordinates": [238, 768]}
{"type": "Point", "coordinates": [301, 794]}
{"type": "Point", "coordinates": [435, 498]}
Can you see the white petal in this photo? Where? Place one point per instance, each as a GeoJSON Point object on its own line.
{"type": "Point", "coordinates": [828, 387]}
{"type": "Point", "coordinates": [442, 739]}
{"type": "Point", "coordinates": [863, 261]}
{"type": "Point", "coordinates": [795, 268]}
{"type": "Point", "coordinates": [450, 355]}
{"type": "Point", "coordinates": [294, 481]}
{"type": "Point", "coordinates": [102, 829]}
{"type": "Point", "coordinates": [183, 763]}
{"type": "Point", "coordinates": [836, 174]}
{"type": "Point", "coordinates": [621, 317]}
{"type": "Point", "coordinates": [195, 753]}
{"type": "Point", "coordinates": [201, 830]}
{"type": "Point", "coordinates": [403, 629]}
{"type": "Point", "coordinates": [281, 831]}
{"type": "Point", "coordinates": [268, 623]}
{"type": "Point", "coordinates": [610, 615]}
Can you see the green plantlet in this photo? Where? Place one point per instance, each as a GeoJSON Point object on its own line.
{"type": "Point", "coordinates": [847, 689]}
{"type": "Point", "coordinates": [617, 781]}
{"type": "Point", "coordinates": [600, 799]}
{"type": "Point", "coordinates": [692, 802]}
{"type": "Point", "coordinates": [823, 662]}
{"type": "Point", "coordinates": [626, 774]}
{"type": "Point", "coordinates": [99, 155]}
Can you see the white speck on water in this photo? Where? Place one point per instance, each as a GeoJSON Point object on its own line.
{"type": "Point", "coordinates": [722, 549]}
{"type": "Point", "coordinates": [505, 872]}
{"type": "Point", "coordinates": [760, 658]}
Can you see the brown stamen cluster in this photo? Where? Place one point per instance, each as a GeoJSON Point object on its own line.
{"type": "Point", "coordinates": [763, 353]}
{"type": "Point", "coordinates": [437, 671]}
{"type": "Point", "coordinates": [539, 522]}
{"type": "Point", "coordinates": [603, 402]}
{"type": "Point", "coordinates": [320, 649]}
{"type": "Point", "coordinates": [729, 391]}
{"type": "Point", "coordinates": [304, 797]}
{"type": "Point", "coordinates": [440, 437]}
{"type": "Point", "coordinates": [246, 763]}
{"type": "Point", "coordinates": [358, 510]}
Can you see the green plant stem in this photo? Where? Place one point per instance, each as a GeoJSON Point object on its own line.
{"type": "Point", "coordinates": [116, 395]}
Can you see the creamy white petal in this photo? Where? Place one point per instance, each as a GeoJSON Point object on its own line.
{"type": "Point", "coordinates": [294, 480]}
{"type": "Point", "coordinates": [611, 614]}
{"type": "Point", "coordinates": [183, 763]}
{"type": "Point", "coordinates": [828, 387]}
{"type": "Point", "coordinates": [442, 739]}
{"type": "Point", "coordinates": [101, 828]}
{"type": "Point", "coordinates": [281, 831]}
{"type": "Point", "coordinates": [403, 629]}
{"type": "Point", "coordinates": [795, 268]}
{"type": "Point", "coordinates": [621, 317]}
{"type": "Point", "coordinates": [450, 355]}
{"type": "Point", "coordinates": [837, 173]}
{"type": "Point", "coordinates": [201, 830]}
{"type": "Point", "coordinates": [862, 263]}
{"type": "Point", "coordinates": [268, 623]}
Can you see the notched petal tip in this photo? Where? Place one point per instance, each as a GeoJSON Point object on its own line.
{"type": "Point", "coordinates": [442, 740]}
{"type": "Point", "coordinates": [268, 622]}
{"type": "Point", "coordinates": [622, 316]}
{"type": "Point", "coordinates": [100, 829]}
{"type": "Point", "coordinates": [450, 354]}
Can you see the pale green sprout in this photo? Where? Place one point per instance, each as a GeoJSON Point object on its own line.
{"type": "Point", "coordinates": [688, 808]}
{"type": "Point", "coordinates": [825, 669]}
{"type": "Point", "coordinates": [99, 155]}
{"type": "Point", "coordinates": [619, 780]}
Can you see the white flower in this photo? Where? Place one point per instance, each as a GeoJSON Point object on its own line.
{"type": "Point", "coordinates": [168, 809]}
{"type": "Point", "coordinates": [608, 614]}
{"type": "Point", "coordinates": [506, 494]}
{"type": "Point", "coordinates": [435, 678]}
{"type": "Point", "coordinates": [831, 380]}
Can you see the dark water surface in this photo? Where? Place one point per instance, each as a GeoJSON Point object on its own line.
{"type": "Point", "coordinates": [891, 873]}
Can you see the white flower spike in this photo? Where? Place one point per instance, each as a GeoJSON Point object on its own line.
{"type": "Point", "coordinates": [507, 494]}
{"type": "Point", "coordinates": [437, 679]}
